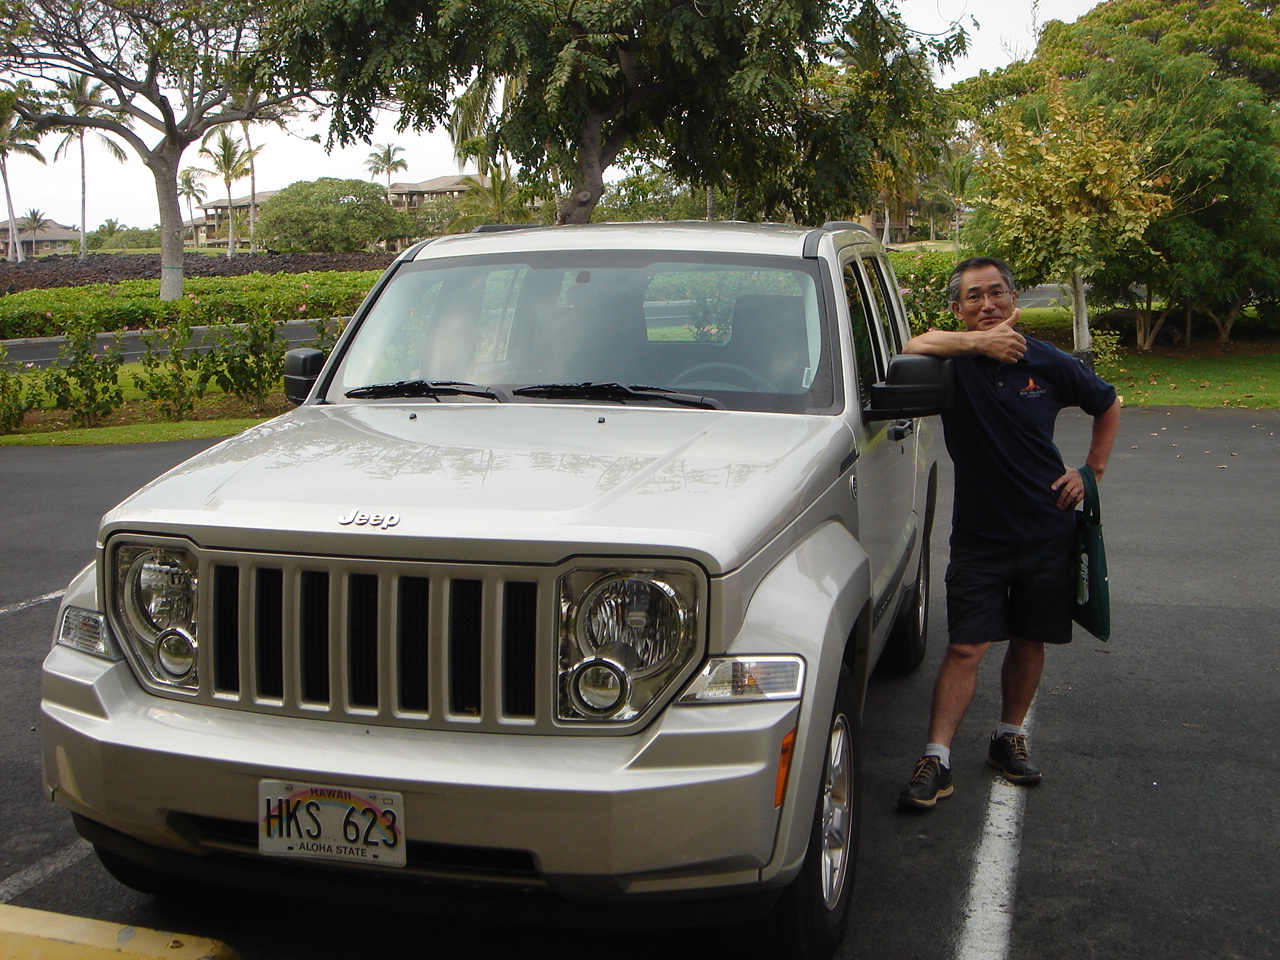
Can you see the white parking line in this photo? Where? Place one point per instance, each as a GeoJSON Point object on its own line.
{"type": "Point", "coordinates": [41, 870]}
{"type": "Point", "coordinates": [988, 914]}
{"type": "Point", "coordinates": [27, 604]}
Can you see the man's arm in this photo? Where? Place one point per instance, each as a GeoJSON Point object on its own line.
{"type": "Point", "coordinates": [1001, 343]}
{"type": "Point", "coordinates": [1069, 486]}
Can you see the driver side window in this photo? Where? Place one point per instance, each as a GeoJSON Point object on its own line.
{"type": "Point", "coordinates": [860, 327]}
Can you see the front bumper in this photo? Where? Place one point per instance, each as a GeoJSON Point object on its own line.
{"type": "Point", "coordinates": [683, 809]}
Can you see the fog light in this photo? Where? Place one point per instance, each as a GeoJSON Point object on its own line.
{"type": "Point", "coordinates": [176, 655]}
{"type": "Point", "coordinates": [600, 686]}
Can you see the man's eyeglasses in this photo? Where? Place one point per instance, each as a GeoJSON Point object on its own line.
{"type": "Point", "coordinates": [996, 294]}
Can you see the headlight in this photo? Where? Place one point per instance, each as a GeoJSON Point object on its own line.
{"type": "Point", "coordinates": [155, 589]}
{"type": "Point", "coordinates": [624, 637]}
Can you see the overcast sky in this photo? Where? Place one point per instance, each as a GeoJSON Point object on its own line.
{"type": "Point", "coordinates": [126, 191]}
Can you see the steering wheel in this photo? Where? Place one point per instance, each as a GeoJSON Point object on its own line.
{"type": "Point", "coordinates": [720, 375]}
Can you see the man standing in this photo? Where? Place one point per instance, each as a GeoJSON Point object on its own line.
{"type": "Point", "coordinates": [1011, 575]}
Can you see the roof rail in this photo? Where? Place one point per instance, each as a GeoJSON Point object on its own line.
{"type": "Point", "coordinates": [501, 227]}
{"type": "Point", "coordinates": [845, 225]}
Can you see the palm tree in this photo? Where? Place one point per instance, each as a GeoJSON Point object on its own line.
{"type": "Point", "coordinates": [15, 137]}
{"type": "Point", "coordinates": [385, 160]}
{"type": "Point", "coordinates": [84, 97]}
{"type": "Point", "coordinates": [230, 163]}
{"type": "Point", "coordinates": [491, 199]}
{"type": "Point", "coordinates": [192, 190]}
{"type": "Point", "coordinates": [35, 220]}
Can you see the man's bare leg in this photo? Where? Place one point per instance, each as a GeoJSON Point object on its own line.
{"type": "Point", "coordinates": [953, 690]}
{"type": "Point", "coordinates": [1019, 679]}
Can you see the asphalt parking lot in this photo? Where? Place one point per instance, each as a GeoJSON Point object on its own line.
{"type": "Point", "coordinates": [1153, 834]}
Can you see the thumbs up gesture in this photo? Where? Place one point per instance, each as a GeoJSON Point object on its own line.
{"type": "Point", "coordinates": [1002, 342]}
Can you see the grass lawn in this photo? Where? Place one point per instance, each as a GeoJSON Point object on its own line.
{"type": "Point", "coordinates": [1242, 380]}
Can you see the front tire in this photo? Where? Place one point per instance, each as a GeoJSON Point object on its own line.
{"type": "Point", "coordinates": [812, 914]}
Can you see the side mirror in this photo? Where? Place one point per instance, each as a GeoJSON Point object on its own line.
{"type": "Point", "coordinates": [302, 368]}
{"type": "Point", "coordinates": [916, 386]}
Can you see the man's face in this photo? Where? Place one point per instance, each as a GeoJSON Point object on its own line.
{"type": "Point", "coordinates": [979, 308]}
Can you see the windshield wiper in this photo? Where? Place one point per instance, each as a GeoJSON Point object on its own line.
{"type": "Point", "coordinates": [622, 393]}
{"type": "Point", "coordinates": [422, 388]}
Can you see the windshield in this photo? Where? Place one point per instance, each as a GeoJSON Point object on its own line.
{"type": "Point", "coordinates": [747, 332]}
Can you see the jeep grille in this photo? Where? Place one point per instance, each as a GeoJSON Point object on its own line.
{"type": "Point", "coordinates": [433, 645]}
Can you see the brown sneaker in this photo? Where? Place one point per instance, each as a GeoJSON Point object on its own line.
{"type": "Point", "coordinates": [930, 783]}
{"type": "Point", "coordinates": [1008, 754]}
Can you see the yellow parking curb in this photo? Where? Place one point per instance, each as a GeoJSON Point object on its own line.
{"type": "Point", "coordinates": [37, 935]}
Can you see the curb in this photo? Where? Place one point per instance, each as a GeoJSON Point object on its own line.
{"type": "Point", "coordinates": [37, 935]}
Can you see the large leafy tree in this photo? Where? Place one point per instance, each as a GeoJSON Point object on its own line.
{"type": "Point", "coordinates": [1196, 83]}
{"type": "Point", "coordinates": [171, 70]}
{"type": "Point", "coordinates": [328, 215]}
{"type": "Point", "coordinates": [1217, 248]}
{"type": "Point", "coordinates": [712, 90]}
{"type": "Point", "coordinates": [1067, 194]}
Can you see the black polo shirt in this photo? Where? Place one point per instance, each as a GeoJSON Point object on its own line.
{"type": "Point", "coordinates": [1000, 437]}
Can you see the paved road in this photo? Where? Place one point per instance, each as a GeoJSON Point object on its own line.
{"type": "Point", "coordinates": [43, 351]}
{"type": "Point", "coordinates": [1153, 834]}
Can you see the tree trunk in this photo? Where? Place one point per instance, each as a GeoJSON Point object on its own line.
{"type": "Point", "coordinates": [84, 203]}
{"type": "Point", "coordinates": [884, 236]}
{"type": "Point", "coordinates": [231, 225]}
{"type": "Point", "coordinates": [595, 155]}
{"type": "Point", "coordinates": [711, 203]}
{"type": "Point", "coordinates": [253, 192]}
{"type": "Point", "coordinates": [15, 243]}
{"type": "Point", "coordinates": [164, 170]}
{"type": "Point", "coordinates": [1080, 313]}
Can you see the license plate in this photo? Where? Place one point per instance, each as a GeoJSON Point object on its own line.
{"type": "Point", "coordinates": [312, 821]}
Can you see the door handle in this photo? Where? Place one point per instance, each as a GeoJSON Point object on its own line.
{"type": "Point", "coordinates": [901, 430]}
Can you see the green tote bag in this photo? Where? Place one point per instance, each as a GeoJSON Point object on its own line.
{"type": "Point", "coordinates": [1093, 597]}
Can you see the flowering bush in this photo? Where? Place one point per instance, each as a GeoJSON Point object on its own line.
{"type": "Point", "coordinates": [922, 280]}
{"type": "Point", "coordinates": [87, 380]}
{"type": "Point", "coordinates": [16, 396]}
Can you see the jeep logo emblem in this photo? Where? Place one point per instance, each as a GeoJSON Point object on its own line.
{"type": "Point", "coordinates": [358, 518]}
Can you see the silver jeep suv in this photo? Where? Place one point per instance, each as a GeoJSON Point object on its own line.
{"type": "Point", "coordinates": [564, 579]}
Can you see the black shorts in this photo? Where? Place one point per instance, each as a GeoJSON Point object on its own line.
{"type": "Point", "coordinates": [998, 588]}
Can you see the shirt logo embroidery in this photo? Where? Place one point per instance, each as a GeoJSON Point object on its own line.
{"type": "Point", "coordinates": [1032, 389]}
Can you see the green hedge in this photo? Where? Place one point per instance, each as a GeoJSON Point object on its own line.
{"type": "Point", "coordinates": [136, 304]}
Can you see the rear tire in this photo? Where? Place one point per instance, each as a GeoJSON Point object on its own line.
{"type": "Point", "coordinates": [812, 914]}
{"type": "Point", "coordinates": [908, 637]}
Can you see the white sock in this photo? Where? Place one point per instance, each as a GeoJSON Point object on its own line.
{"type": "Point", "coordinates": [1003, 728]}
{"type": "Point", "coordinates": [939, 751]}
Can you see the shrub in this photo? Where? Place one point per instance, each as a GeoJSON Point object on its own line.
{"type": "Point", "coordinates": [136, 304]}
{"type": "Point", "coordinates": [87, 379]}
{"type": "Point", "coordinates": [247, 360]}
{"type": "Point", "coordinates": [922, 280]}
{"type": "Point", "coordinates": [171, 376]}
{"type": "Point", "coordinates": [17, 396]}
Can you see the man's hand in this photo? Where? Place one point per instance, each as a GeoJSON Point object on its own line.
{"type": "Point", "coordinates": [1070, 488]}
{"type": "Point", "coordinates": [1002, 342]}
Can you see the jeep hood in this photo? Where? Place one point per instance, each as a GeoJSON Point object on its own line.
{"type": "Point", "coordinates": [525, 482]}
